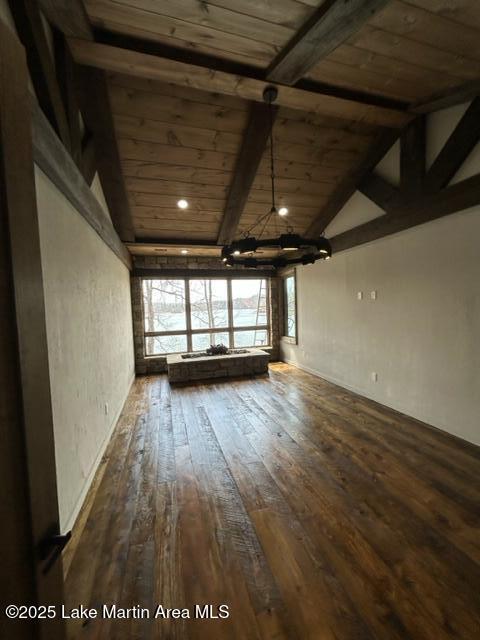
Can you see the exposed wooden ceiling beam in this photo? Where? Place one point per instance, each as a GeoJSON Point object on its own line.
{"type": "Point", "coordinates": [28, 21]}
{"type": "Point", "coordinates": [347, 187]}
{"type": "Point", "coordinates": [68, 16]}
{"type": "Point", "coordinates": [220, 272]}
{"type": "Point", "coordinates": [454, 152]}
{"type": "Point", "coordinates": [458, 95]}
{"type": "Point", "coordinates": [97, 113]}
{"type": "Point", "coordinates": [88, 163]}
{"type": "Point", "coordinates": [65, 74]}
{"type": "Point", "coordinates": [457, 197]}
{"type": "Point", "coordinates": [188, 75]}
{"type": "Point", "coordinates": [55, 161]}
{"type": "Point", "coordinates": [379, 191]}
{"type": "Point", "coordinates": [413, 158]}
{"type": "Point", "coordinates": [334, 22]}
{"type": "Point", "coordinates": [253, 146]}
{"type": "Point", "coordinates": [209, 61]}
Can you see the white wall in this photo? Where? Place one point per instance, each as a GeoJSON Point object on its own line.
{"type": "Point", "coordinates": [89, 328]}
{"type": "Point", "coordinates": [422, 333]}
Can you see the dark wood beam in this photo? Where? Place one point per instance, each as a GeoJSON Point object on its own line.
{"type": "Point", "coordinates": [347, 187]}
{"type": "Point", "coordinates": [254, 142]}
{"type": "Point", "coordinates": [29, 502]}
{"type": "Point", "coordinates": [52, 157]}
{"type": "Point", "coordinates": [458, 95]}
{"type": "Point", "coordinates": [221, 272]}
{"type": "Point", "coordinates": [334, 22]}
{"type": "Point", "coordinates": [31, 31]}
{"type": "Point", "coordinates": [194, 76]}
{"type": "Point", "coordinates": [162, 50]}
{"type": "Point", "coordinates": [65, 74]}
{"type": "Point", "coordinates": [379, 191]}
{"type": "Point", "coordinates": [69, 16]}
{"type": "Point", "coordinates": [177, 242]}
{"type": "Point", "coordinates": [412, 158]}
{"type": "Point", "coordinates": [94, 101]}
{"type": "Point", "coordinates": [455, 151]}
{"type": "Point", "coordinates": [455, 198]}
{"type": "Point", "coordinates": [88, 164]}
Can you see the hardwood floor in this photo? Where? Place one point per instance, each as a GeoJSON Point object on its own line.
{"type": "Point", "coordinates": [311, 512]}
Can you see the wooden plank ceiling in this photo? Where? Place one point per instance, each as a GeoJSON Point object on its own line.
{"type": "Point", "coordinates": [179, 142]}
{"type": "Point", "coordinates": [182, 143]}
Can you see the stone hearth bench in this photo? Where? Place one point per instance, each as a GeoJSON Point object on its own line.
{"type": "Point", "coordinates": [252, 362]}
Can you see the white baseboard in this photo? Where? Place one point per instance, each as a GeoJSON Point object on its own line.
{"type": "Point", "coordinates": [364, 394]}
{"type": "Point", "coordinates": [328, 378]}
{"type": "Point", "coordinates": [68, 526]}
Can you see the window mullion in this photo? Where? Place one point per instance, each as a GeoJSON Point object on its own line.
{"type": "Point", "coordinates": [230, 313]}
{"type": "Point", "coordinates": [188, 312]}
{"type": "Point", "coordinates": [268, 310]}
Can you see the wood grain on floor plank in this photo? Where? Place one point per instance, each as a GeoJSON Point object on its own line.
{"type": "Point", "coordinates": [312, 512]}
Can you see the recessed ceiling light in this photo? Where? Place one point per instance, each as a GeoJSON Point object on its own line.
{"type": "Point", "coordinates": [184, 251]}
{"type": "Point", "coordinates": [282, 211]}
{"type": "Point", "coordinates": [182, 204]}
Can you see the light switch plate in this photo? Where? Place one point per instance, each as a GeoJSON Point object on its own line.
{"type": "Point", "coordinates": [373, 295]}
{"type": "Point", "coordinates": [359, 295]}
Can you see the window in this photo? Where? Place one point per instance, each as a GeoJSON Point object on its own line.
{"type": "Point", "coordinates": [190, 314]}
{"type": "Point", "coordinates": [290, 306]}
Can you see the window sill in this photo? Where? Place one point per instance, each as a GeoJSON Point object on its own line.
{"type": "Point", "coordinates": [289, 340]}
{"type": "Point", "coordinates": [163, 356]}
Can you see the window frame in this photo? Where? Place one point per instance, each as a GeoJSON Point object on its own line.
{"type": "Point", "coordinates": [292, 273]}
{"type": "Point", "coordinates": [230, 329]}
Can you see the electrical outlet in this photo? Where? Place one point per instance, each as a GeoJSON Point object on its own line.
{"type": "Point", "coordinates": [374, 376]}
{"type": "Point", "coordinates": [359, 295]}
{"type": "Point", "coordinates": [373, 295]}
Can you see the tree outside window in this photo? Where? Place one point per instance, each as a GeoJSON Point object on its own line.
{"type": "Point", "coordinates": [190, 314]}
{"type": "Point", "coordinates": [290, 300]}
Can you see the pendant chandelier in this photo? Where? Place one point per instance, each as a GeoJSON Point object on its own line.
{"type": "Point", "coordinates": [307, 250]}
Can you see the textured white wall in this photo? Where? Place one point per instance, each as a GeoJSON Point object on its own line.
{"type": "Point", "coordinates": [421, 335]}
{"type": "Point", "coordinates": [90, 341]}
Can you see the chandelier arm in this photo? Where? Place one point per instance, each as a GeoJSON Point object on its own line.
{"type": "Point", "coordinates": [267, 220]}
{"type": "Point", "coordinates": [257, 222]}
{"type": "Point", "coordinates": [278, 261]}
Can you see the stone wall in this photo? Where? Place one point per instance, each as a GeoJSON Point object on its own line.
{"type": "Point", "coordinates": [166, 265]}
{"type": "Point", "coordinates": [253, 362]}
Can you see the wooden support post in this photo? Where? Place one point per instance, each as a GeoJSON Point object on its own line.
{"type": "Point", "coordinates": [463, 139]}
{"type": "Point", "coordinates": [458, 197]}
{"type": "Point", "coordinates": [31, 30]}
{"type": "Point", "coordinates": [347, 187]}
{"type": "Point", "coordinates": [379, 191]}
{"type": "Point", "coordinates": [65, 73]}
{"type": "Point", "coordinates": [412, 159]}
{"type": "Point", "coordinates": [27, 453]}
{"type": "Point", "coordinates": [92, 91]}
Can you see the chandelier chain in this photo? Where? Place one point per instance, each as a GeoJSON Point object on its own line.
{"type": "Point", "coordinates": [307, 250]}
{"type": "Point", "coordinates": [272, 166]}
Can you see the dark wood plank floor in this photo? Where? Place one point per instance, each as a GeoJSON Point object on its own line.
{"type": "Point", "coordinates": [312, 512]}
